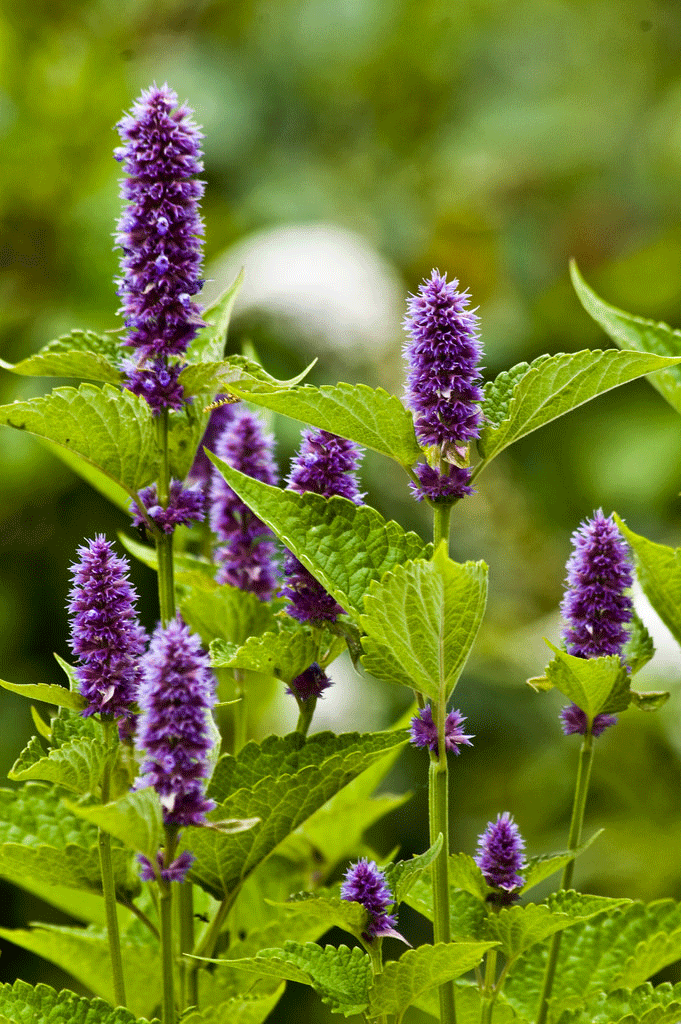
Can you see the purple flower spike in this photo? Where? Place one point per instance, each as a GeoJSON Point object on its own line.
{"type": "Point", "coordinates": [247, 551]}
{"type": "Point", "coordinates": [500, 855]}
{"type": "Point", "coordinates": [575, 721]}
{"type": "Point", "coordinates": [176, 696]}
{"type": "Point", "coordinates": [326, 465]}
{"type": "Point", "coordinates": [424, 731]}
{"type": "Point", "coordinates": [175, 872]}
{"type": "Point", "coordinates": [105, 633]}
{"type": "Point", "coordinates": [160, 229]}
{"type": "Point", "coordinates": [185, 504]}
{"type": "Point", "coordinates": [309, 684]}
{"type": "Point", "coordinates": [443, 355]}
{"type": "Point", "coordinates": [365, 883]}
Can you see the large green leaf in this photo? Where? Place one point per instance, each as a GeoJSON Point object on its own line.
{"type": "Point", "coordinates": [369, 416]}
{"type": "Point", "coordinates": [318, 913]}
{"type": "Point", "coordinates": [109, 429]}
{"type": "Point", "coordinates": [404, 874]}
{"type": "Point", "coordinates": [76, 765]}
{"type": "Point", "coordinates": [526, 397]}
{"type": "Point", "coordinates": [634, 333]}
{"type": "Point", "coordinates": [645, 1004]}
{"type": "Point", "coordinates": [543, 866]}
{"type": "Point", "coordinates": [343, 545]}
{"type": "Point", "coordinates": [467, 912]}
{"type": "Point", "coordinates": [284, 654]}
{"type": "Point", "coordinates": [658, 569]}
{"type": "Point", "coordinates": [81, 354]}
{"type": "Point", "coordinates": [421, 621]}
{"type": "Point", "coordinates": [282, 783]}
{"type": "Point", "coordinates": [21, 1003]}
{"type": "Point", "coordinates": [136, 820]}
{"type": "Point", "coordinates": [209, 343]}
{"type": "Point", "coordinates": [240, 1009]}
{"type": "Point", "coordinates": [50, 693]}
{"type": "Point", "coordinates": [591, 683]}
{"type": "Point", "coordinates": [418, 970]}
{"type": "Point", "coordinates": [42, 839]}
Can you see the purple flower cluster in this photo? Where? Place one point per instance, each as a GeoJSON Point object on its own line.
{"type": "Point", "coordinates": [309, 684]}
{"type": "Point", "coordinates": [423, 731]}
{"type": "Point", "coordinates": [326, 465]}
{"type": "Point", "coordinates": [175, 872]}
{"type": "Point", "coordinates": [443, 354]}
{"type": "Point", "coordinates": [185, 505]}
{"type": "Point", "coordinates": [176, 695]}
{"type": "Point", "coordinates": [105, 633]}
{"type": "Point", "coordinates": [595, 606]}
{"type": "Point", "coordinates": [247, 550]}
{"type": "Point", "coordinates": [365, 883]}
{"type": "Point", "coordinates": [500, 855]}
{"type": "Point", "coordinates": [160, 234]}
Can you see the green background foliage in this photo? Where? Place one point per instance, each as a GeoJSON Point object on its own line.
{"type": "Point", "coordinates": [494, 142]}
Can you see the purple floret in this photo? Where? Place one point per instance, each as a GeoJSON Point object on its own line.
{"type": "Point", "coordinates": [185, 505]}
{"type": "Point", "coordinates": [247, 549]}
{"type": "Point", "coordinates": [176, 696]}
{"type": "Point", "coordinates": [105, 633]}
{"type": "Point", "coordinates": [441, 487]}
{"type": "Point", "coordinates": [575, 721]}
{"type": "Point", "coordinates": [423, 731]}
{"type": "Point", "coordinates": [500, 854]}
{"type": "Point", "coordinates": [157, 382]}
{"type": "Point", "coordinates": [309, 684]}
{"type": "Point", "coordinates": [175, 872]}
{"type": "Point", "coordinates": [365, 883]}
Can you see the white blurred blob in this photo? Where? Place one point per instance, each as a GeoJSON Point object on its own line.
{"type": "Point", "coordinates": [665, 662]}
{"type": "Point", "coordinates": [328, 283]}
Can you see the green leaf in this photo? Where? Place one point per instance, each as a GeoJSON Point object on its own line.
{"type": "Point", "coordinates": [240, 1009]}
{"type": "Point", "coordinates": [284, 654]}
{"type": "Point", "coordinates": [50, 693]}
{"type": "Point", "coordinates": [467, 912]}
{"type": "Point", "coordinates": [343, 545]}
{"type": "Point", "coordinates": [21, 1003]}
{"type": "Point", "coordinates": [639, 648]}
{"type": "Point", "coordinates": [542, 867]}
{"type": "Point", "coordinates": [341, 976]}
{"type": "Point", "coordinates": [418, 970]}
{"type": "Point", "coordinates": [588, 682]}
{"type": "Point", "coordinates": [369, 416]}
{"type": "Point", "coordinates": [76, 766]}
{"type": "Point", "coordinates": [84, 953]}
{"type": "Point", "coordinates": [81, 354]}
{"type": "Point", "coordinates": [136, 820]}
{"type": "Point", "coordinates": [185, 564]}
{"type": "Point", "coordinates": [321, 912]}
{"type": "Point", "coordinates": [658, 569]}
{"type": "Point", "coordinates": [421, 621]}
{"type": "Point", "coordinates": [40, 838]}
{"type": "Point", "coordinates": [529, 396]}
{"type": "Point", "coordinates": [650, 700]}
{"type": "Point", "coordinates": [109, 429]}
{"type": "Point", "coordinates": [465, 874]}
{"type": "Point", "coordinates": [643, 1005]}
{"type": "Point", "coordinates": [405, 873]}
{"type": "Point", "coordinates": [468, 1006]}
{"type": "Point", "coordinates": [185, 430]}
{"type": "Point", "coordinates": [209, 343]}
{"type": "Point", "coordinates": [634, 333]}
{"type": "Point", "coordinates": [282, 782]}
{"type": "Point", "coordinates": [214, 610]}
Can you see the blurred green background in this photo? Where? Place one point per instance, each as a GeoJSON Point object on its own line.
{"type": "Point", "coordinates": [352, 145]}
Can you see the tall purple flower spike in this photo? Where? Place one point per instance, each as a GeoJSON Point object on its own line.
{"type": "Point", "coordinates": [247, 548]}
{"type": "Point", "coordinates": [423, 731]}
{"type": "Point", "coordinates": [105, 633]}
{"type": "Point", "coordinates": [173, 737]}
{"type": "Point", "coordinates": [160, 233]}
{"type": "Point", "coordinates": [443, 355]}
{"type": "Point", "coordinates": [595, 607]}
{"type": "Point", "coordinates": [326, 465]}
{"type": "Point", "coordinates": [500, 856]}
{"type": "Point", "coordinates": [365, 883]}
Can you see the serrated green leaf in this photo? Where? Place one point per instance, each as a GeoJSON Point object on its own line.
{"type": "Point", "coordinates": [210, 379]}
{"type": "Point", "coordinates": [369, 416]}
{"type": "Point", "coordinates": [467, 913]}
{"type": "Point", "coordinates": [343, 545]}
{"type": "Point", "coordinates": [321, 912]}
{"type": "Point", "coordinates": [643, 1005]}
{"type": "Point", "coordinates": [300, 780]}
{"type": "Point", "coordinates": [539, 868]}
{"type": "Point", "coordinates": [658, 569]}
{"type": "Point", "coordinates": [639, 648]}
{"type": "Point", "coordinates": [418, 970]}
{"type": "Point", "coordinates": [240, 1009]}
{"type": "Point", "coordinates": [588, 682]}
{"type": "Point", "coordinates": [84, 953]}
{"type": "Point", "coordinates": [341, 976]}
{"type": "Point", "coordinates": [81, 354]}
{"type": "Point", "coordinates": [42, 839]}
{"type": "Point", "coordinates": [403, 875]}
{"type": "Point", "coordinates": [527, 397]}
{"type": "Point", "coordinates": [650, 700]}
{"type": "Point", "coordinates": [284, 654]}
{"type": "Point", "coordinates": [635, 333]}
{"type": "Point", "coordinates": [109, 429]}
{"type": "Point", "coordinates": [421, 621]}
{"type": "Point", "coordinates": [136, 820]}
{"type": "Point", "coordinates": [21, 1003]}
{"type": "Point", "coordinates": [465, 874]}
{"type": "Point", "coordinates": [209, 343]}
{"type": "Point", "coordinates": [213, 610]}
{"type": "Point", "coordinates": [50, 693]}
{"type": "Point", "coordinates": [76, 766]}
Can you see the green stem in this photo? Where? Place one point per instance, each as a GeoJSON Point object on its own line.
{"type": "Point", "coordinates": [441, 520]}
{"type": "Point", "coordinates": [108, 883]}
{"type": "Point", "coordinates": [188, 981]}
{"type": "Point", "coordinates": [306, 708]}
{"type": "Point", "coordinates": [166, 914]}
{"type": "Point", "coordinates": [240, 712]}
{"type": "Point", "coordinates": [488, 991]}
{"type": "Point", "coordinates": [438, 786]}
{"type": "Point", "coordinates": [576, 824]}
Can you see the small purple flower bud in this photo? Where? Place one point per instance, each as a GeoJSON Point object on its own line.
{"type": "Point", "coordinates": [365, 883]}
{"type": "Point", "coordinates": [326, 465]}
{"type": "Point", "coordinates": [438, 487]}
{"type": "Point", "coordinates": [500, 855]}
{"type": "Point", "coordinates": [310, 683]}
{"type": "Point", "coordinates": [175, 872]}
{"type": "Point", "coordinates": [247, 550]}
{"type": "Point", "coordinates": [595, 606]}
{"type": "Point", "coordinates": [423, 731]}
{"type": "Point", "coordinates": [105, 633]}
{"type": "Point", "coordinates": [185, 504]}
{"type": "Point", "coordinates": [176, 696]}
